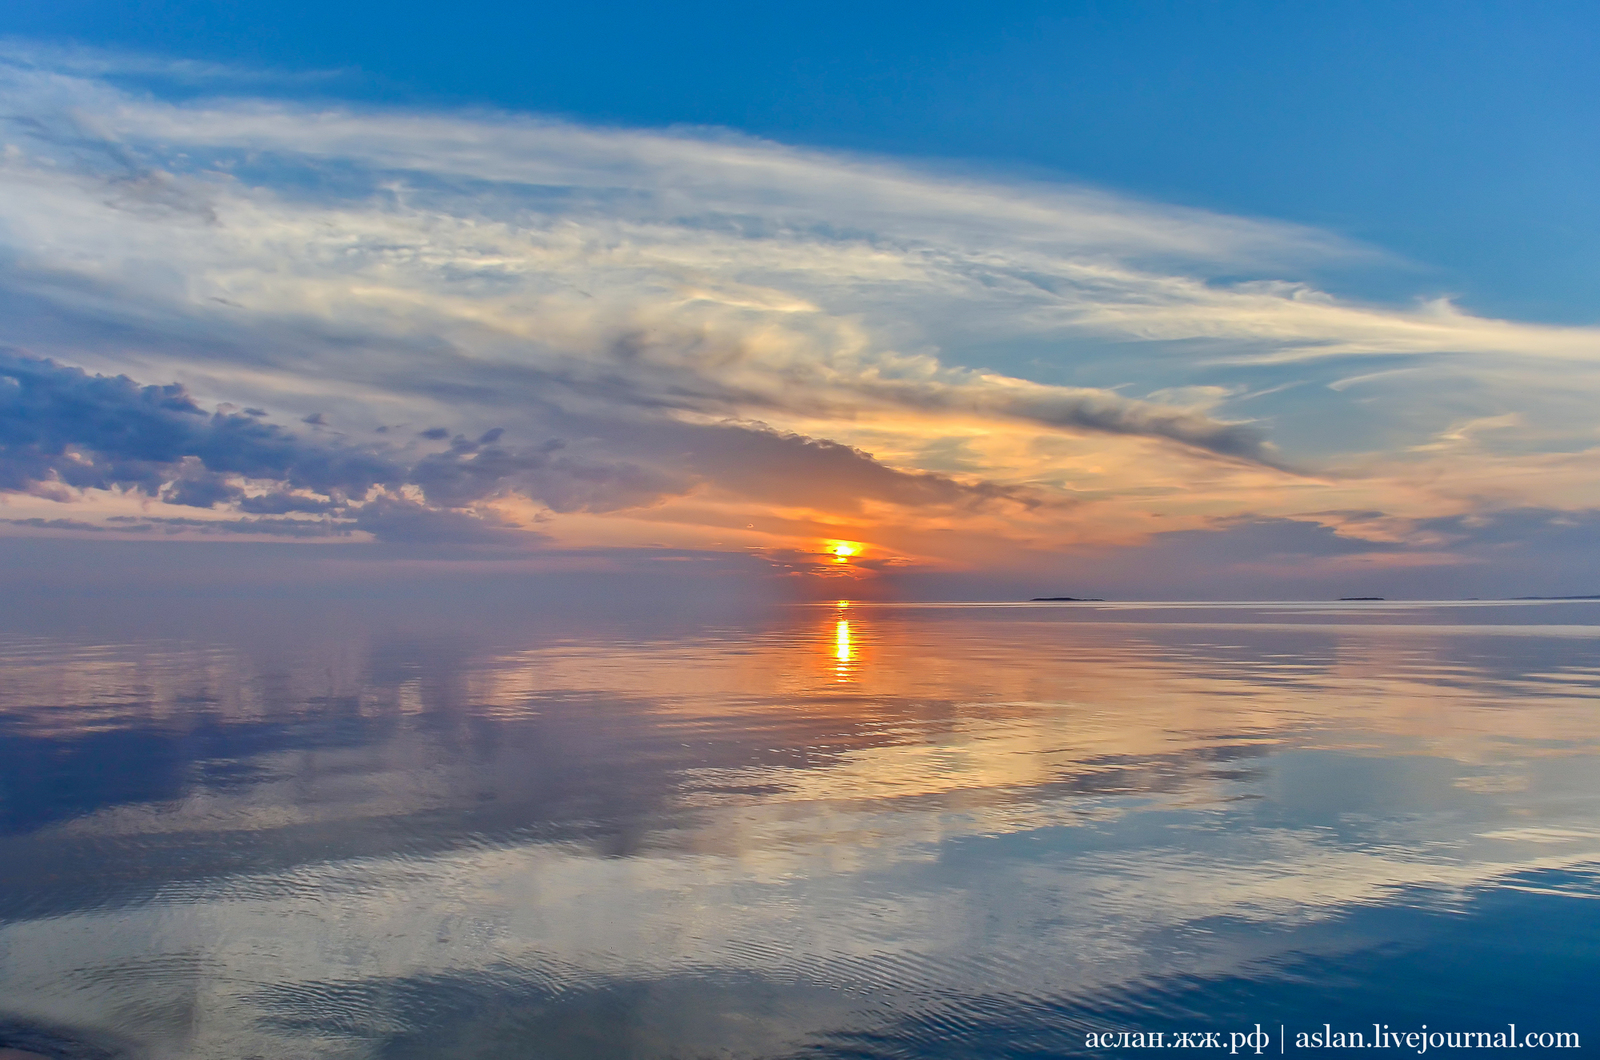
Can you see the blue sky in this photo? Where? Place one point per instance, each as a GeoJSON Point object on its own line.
{"type": "Point", "coordinates": [1133, 296]}
{"type": "Point", "coordinates": [1460, 136]}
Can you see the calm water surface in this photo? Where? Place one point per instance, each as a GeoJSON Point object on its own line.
{"type": "Point", "coordinates": [823, 831]}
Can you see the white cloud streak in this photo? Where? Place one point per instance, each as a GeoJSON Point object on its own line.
{"type": "Point", "coordinates": [636, 293]}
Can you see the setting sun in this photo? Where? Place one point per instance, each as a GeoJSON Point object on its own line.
{"type": "Point", "coordinates": [843, 550]}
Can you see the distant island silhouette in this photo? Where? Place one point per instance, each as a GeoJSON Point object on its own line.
{"type": "Point", "coordinates": [1585, 596]}
{"type": "Point", "coordinates": [1344, 599]}
{"type": "Point", "coordinates": [1066, 600]}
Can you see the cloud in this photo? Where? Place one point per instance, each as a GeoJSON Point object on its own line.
{"type": "Point", "coordinates": [1088, 410]}
{"type": "Point", "coordinates": [65, 429]}
{"type": "Point", "coordinates": [392, 519]}
{"type": "Point", "coordinates": [97, 62]}
{"type": "Point", "coordinates": [723, 334]}
{"type": "Point", "coordinates": [62, 426]}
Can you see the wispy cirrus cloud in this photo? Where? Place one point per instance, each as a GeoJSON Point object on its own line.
{"type": "Point", "coordinates": [718, 331]}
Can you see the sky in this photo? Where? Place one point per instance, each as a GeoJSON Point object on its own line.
{"type": "Point", "coordinates": [1132, 300]}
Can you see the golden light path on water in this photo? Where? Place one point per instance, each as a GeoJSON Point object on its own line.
{"type": "Point", "coordinates": [843, 653]}
{"type": "Point", "coordinates": [355, 845]}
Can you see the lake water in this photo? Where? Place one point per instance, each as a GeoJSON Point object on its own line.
{"type": "Point", "coordinates": [813, 831]}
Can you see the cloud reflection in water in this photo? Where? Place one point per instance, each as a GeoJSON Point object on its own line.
{"type": "Point", "coordinates": [738, 839]}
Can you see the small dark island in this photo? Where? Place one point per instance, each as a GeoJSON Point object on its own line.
{"type": "Point", "coordinates": [1586, 596]}
{"type": "Point", "coordinates": [1352, 599]}
{"type": "Point", "coordinates": [1066, 600]}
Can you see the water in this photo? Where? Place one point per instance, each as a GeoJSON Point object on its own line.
{"type": "Point", "coordinates": [816, 831]}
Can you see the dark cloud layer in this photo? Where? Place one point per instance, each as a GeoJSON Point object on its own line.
{"type": "Point", "coordinates": [1097, 411]}
{"type": "Point", "coordinates": [791, 469]}
{"type": "Point", "coordinates": [63, 429]}
{"type": "Point", "coordinates": [62, 425]}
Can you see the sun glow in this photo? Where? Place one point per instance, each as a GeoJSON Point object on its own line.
{"type": "Point", "coordinates": [843, 550]}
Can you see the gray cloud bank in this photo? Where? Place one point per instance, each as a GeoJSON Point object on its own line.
{"type": "Point", "coordinates": [62, 426]}
{"type": "Point", "coordinates": [64, 429]}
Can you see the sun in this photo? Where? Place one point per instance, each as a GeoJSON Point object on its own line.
{"type": "Point", "coordinates": [843, 550]}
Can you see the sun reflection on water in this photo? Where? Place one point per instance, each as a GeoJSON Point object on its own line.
{"type": "Point", "coordinates": [844, 651]}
